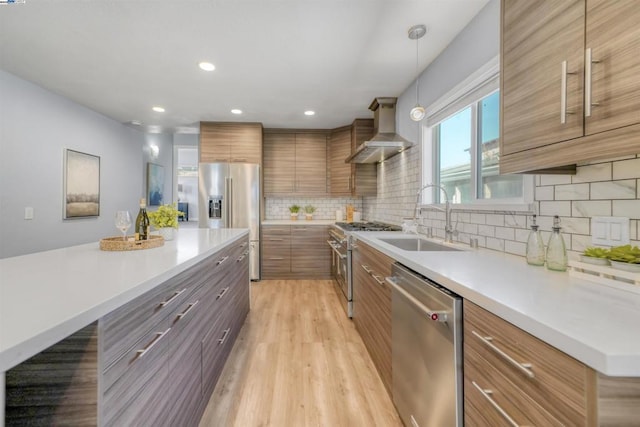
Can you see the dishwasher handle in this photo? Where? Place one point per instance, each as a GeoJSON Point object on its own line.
{"type": "Point", "coordinates": [436, 316]}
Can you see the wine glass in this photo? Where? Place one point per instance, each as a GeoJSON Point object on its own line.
{"type": "Point", "coordinates": [123, 222]}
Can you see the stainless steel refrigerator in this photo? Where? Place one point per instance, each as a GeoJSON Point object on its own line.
{"type": "Point", "coordinates": [230, 198]}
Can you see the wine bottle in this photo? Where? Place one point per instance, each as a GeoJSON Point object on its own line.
{"type": "Point", "coordinates": [142, 222]}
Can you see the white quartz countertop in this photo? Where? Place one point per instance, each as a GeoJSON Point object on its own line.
{"type": "Point", "coordinates": [593, 323]}
{"type": "Point", "coordinates": [46, 296]}
{"type": "Point", "coordinates": [298, 222]}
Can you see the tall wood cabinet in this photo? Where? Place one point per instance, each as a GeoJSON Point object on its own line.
{"type": "Point", "coordinates": [351, 179]}
{"type": "Point", "coordinates": [230, 142]}
{"type": "Point", "coordinates": [295, 162]}
{"type": "Point", "coordinates": [569, 86]}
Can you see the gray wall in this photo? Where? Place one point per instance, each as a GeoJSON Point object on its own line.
{"type": "Point", "coordinates": [35, 127]}
{"type": "Point", "coordinates": [398, 177]}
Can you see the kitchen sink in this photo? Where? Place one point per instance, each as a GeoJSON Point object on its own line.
{"type": "Point", "coordinates": [418, 244]}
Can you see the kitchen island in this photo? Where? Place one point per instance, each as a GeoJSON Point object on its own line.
{"type": "Point", "coordinates": [47, 297]}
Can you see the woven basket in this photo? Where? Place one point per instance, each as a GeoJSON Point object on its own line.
{"type": "Point", "coordinates": [117, 244]}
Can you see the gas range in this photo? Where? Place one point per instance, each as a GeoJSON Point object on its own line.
{"type": "Point", "coordinates": [340, 241]}
{"type": "Point", "coordinates": [367, 226]}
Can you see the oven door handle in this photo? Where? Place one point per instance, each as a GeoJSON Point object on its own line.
{"type": "Point", "coordinates": [337, 237]}
{"type": "Point", "coordinates": [335, 249]}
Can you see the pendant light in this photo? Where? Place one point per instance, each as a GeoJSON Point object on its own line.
{"type": "Point", "coordinates": [415, 33]}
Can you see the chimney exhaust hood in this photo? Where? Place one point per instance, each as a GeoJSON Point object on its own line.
{"type": "Point", "coordinates": [385, 142]}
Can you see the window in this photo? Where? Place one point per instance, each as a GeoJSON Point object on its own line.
{"type": "Point", "coordinates": [461, 148]}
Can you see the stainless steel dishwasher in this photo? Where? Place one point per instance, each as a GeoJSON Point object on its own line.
{"type": "Point", "coordinates": [426, 351]}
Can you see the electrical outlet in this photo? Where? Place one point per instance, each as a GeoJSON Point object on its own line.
{"type": "Point", "coordinates": [609, 230]}
{"type": "Point", "coordinates": [28, 213]}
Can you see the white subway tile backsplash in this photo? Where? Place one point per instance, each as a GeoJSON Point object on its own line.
{"type": "Point", "coordinates": [614, 190]}
{"type": "Point", "coordinates": [505, 233]}
{"type": "Point", "coordinates": [493, 219]}
{"type": "Point", "coordinates": [478, 218]}
{"type": "Point", "coordinates": [470, 228]}
{"type": "Point", "coordinates": [575, 225]}
{"type": "Point", "coordinates": [572, 192]}
{"type": "Point", "coordinates": [626, 169]}
{"type": "Point", "coordinates": [516, 248]}
{"type": "Point", "coordinates": [591, 208]}
{"type": "Point", "coordinates": [518, 221]}
{"type": "Point", "coordinates": [578, 242]}
{"type": "Point", "coordinates": [562, 208]}
{"type": "Point", "coordinates": [522, 234]}
{"type": "Point", "coordinates": [545, 193]}
{"type": "Point", "coordinates": [486, 230]}
{"type": "Point", "coordinates": [600, 188]}
{"type": "Point", "coordinates": [591, 173]}
{"type": "Point", "coordinates": [495, 244]}
{"type": "Point", "coordinates": [627, 208]}
{"type": "Point", "coordinates": [555, 179]}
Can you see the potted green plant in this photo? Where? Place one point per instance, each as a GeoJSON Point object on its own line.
{"type": "Point", "coordinates": [294, 210]}
{"type": "Point", "coordinates": [626, 258]}
{"type": "Point", "coordinates": [308, 211]}
{"type": "Point", "coordinates": [597, 256]}
{"type": "Point", "coordinates": [165, 220]}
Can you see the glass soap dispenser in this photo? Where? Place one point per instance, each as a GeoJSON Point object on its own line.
{"type": "Point", "coordinates": [556, 250]}
{"type": "Point", "coordinates": [535, 246]}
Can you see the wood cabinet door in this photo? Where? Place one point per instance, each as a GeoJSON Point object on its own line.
{"type": "Point", "coordinates": [613, 36]}
{"type": "Point", "coordinates": [311, 163]}
{"type": "Point", "coordinates": [215, 142]}
{"type": "Point", "coordinates": [372, 306]}
{"type": "Point", "coordinates": [537, 37]}
{"type": "Point", "coordinates": [310, 253]}
{"type": "Point", "coordinates": [364, 181]}
{"type": "Point", "coordinates": [279, 163]}
{"type": "Point", "coordinates": [341, 172]}
{"type": "Point", "coordinates": [246, 144]}
{"type": "Point", "coordinates": [276, 252]}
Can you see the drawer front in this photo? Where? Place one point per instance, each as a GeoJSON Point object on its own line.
{"type": "Point", "coordinates": [125, 326]}
{"type": "Point", "coordinates": [376, 259]}
{"type": "Point", "coordinates": [492, 400]}
{"type": "Point", "coordinates": [276, 256]}
{"type": "Point", "coordinates": [279, 230]}
{"type": "Point", "coordinates": [149, 407]}
{"type": "Point", "coordinates": [559, 382]}
{"type": "Point", "coordinates": [185, 388]}
{"type": "Point", "coordinates": [146, 362]}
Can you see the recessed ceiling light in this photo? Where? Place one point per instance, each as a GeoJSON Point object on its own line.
{"type": "Point", "coordinates": [207, 66]}
{"type": "Point", "coordinates": [158, 109]}
{"type": "Point", "coordinates": [309, 113]}
{"type": "Point", "coordinates": [136, 122]}
{"type": "Point", "coordinates": [236, 111]}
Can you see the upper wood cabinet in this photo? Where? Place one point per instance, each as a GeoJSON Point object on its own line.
{"type": "Point", "coordinates": [230, 142]}
{"type": "Point", "coordinates": [569, 91]}
{"type": "Point", "coordinates": [295, 162]}
{"type": "Point", "coordinates": [350, 179]}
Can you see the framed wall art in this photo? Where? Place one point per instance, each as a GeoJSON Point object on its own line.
{"type": "Point", "coordinates": [81, 185]}
{"type": "Point", "coordinates": [155, 184]}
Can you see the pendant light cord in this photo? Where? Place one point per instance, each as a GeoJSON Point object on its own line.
{"type": "Point", "coordinates": [417, 76]}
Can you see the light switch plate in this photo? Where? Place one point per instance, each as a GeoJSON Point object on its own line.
{"type": "Point", "coordinates": [28, 213]}
{"type": "Point", "coordinates": [609, 230]}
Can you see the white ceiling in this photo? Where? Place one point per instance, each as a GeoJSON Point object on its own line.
{"type": "Point", "coordinates": [274, 58]}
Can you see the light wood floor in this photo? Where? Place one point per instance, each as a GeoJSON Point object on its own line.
{"type": "Point", "coordinates": [299, 361]}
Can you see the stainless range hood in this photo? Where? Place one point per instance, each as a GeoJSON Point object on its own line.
{"type": "Point", "coordinates": [385, 142]}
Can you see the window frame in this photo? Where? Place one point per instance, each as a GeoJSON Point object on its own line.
{"type": "Point", "coordinates": [468, 93]}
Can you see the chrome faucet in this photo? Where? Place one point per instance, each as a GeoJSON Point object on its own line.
{"type": "Point", "coordinates": [448, 228]}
